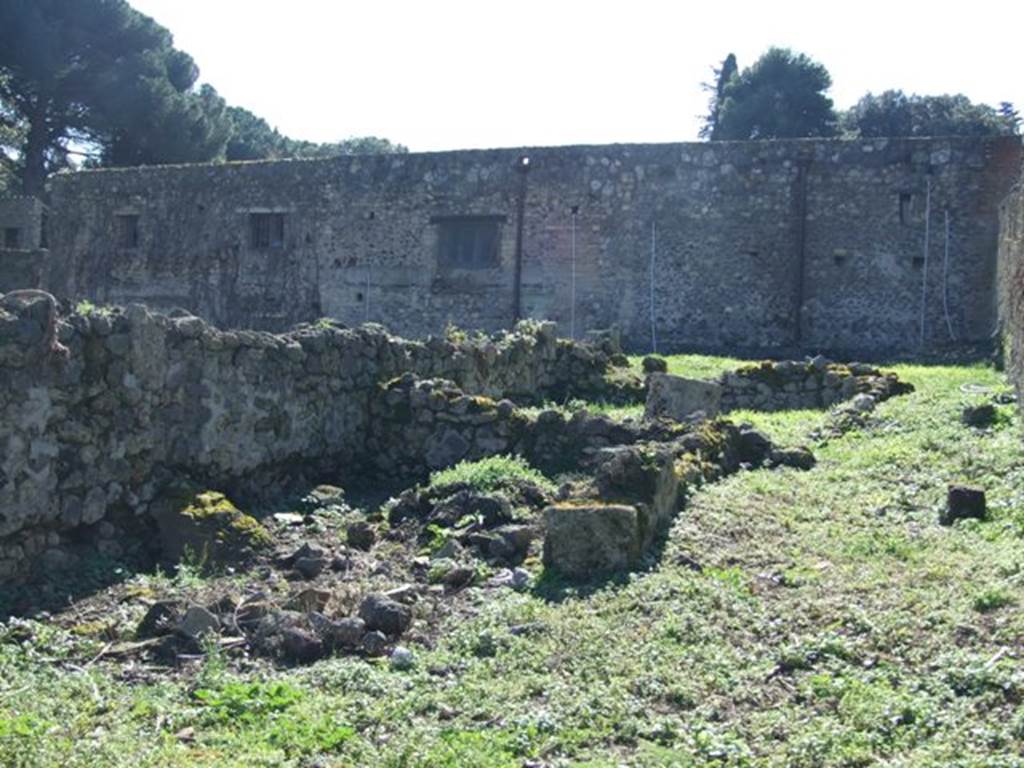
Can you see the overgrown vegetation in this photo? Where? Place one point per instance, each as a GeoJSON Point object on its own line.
{"type": "Point", "coordinates": [495, 473]}
{"type": "Point", "coordinates": [817, 618]}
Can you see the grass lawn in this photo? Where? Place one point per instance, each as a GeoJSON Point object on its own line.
{"type": "Point", "coordinates": [817, 618]}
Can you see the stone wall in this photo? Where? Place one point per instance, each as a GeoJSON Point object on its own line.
{"type": "Point", "coordinates": [132, 402]}
{"type": "Point", "coordinates": [1011, 287]}
{"type": "Point", "coordinates": [791, 384]}
{"type": "Point", "coordinates": [20, 268]}
{"type": "Point", "coordinates": [750, 245]}
{"type": "Point", "coordinates": [21, 224]}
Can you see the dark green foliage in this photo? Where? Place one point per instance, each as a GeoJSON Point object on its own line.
{"type": "Point", "coordinates": [96, 77]}
{"type": "Point", "coordinates": [894, 113]}
{"type": "Point", "coordinates": [723, 75]}
{"type": "Point", "coordinates": [781, 96]}
{"type": "Point", "coordinates": [253, 139]}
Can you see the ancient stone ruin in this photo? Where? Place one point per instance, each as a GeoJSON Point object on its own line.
{"type": "Point", "coordinates": [128, 433]}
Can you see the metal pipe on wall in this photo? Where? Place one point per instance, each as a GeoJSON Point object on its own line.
{"type": "Point", "coordinates": [924, 274]}
{"type": "Point", "coordinates": [654, 329]}
{"type": "Point", "coordinates": [945, 281]}
{"type": "Point", "coordinates": [572, 289]}
{"type": "Point", "coordinates": [522, 166]}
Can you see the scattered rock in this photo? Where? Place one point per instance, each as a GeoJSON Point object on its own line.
{"type": "Point", "coordinates": [197, 623]}
{"type": "Point", "coordinates": [360, 535]}
{"type": "Point", "coordinates": [654, 364]}
{"type": "Point", "coordinates": [450, 550]}
{"type": "Point", "coordinates": [324, 496]}
{"type": "Point", "coordinates": [492, 509]}
{"type": "Point", "coordinates": [521, 578]}
{"type": "Point", "coordinates": [288, 518]}
{"type": "Point", "coordinates": [310, 599]}
{"type": "Point", "coordinates": [301, 645]}
{"type": "Point", "coordinates": [346, 633]}
{"type": "Point", "coordinates": [160, 619]}
{"type": "Point", "coordinates": [310, 567]}
{"type": "Point", "coordinates": [963, 502]}
{"type": "Point", "coordinates": [863, 403]}
{"type": "Point", "coordinates": [979, 415]}
{"type": "Point", "coordinates": [402, 658]}
{"type": "Point", "coordinates": [754, 447]}
{"type": "Point", "coordinates": [388, 616]}
{"type": "Point", "coordinates": [307, 550]}
{"type": "Point", "coordinates": [798, 458]}
{"type": "Point", "coordinates": [374, 643]}
{"type": "Point", "coordinates": [407, 593]}
{"type": "Point", "coordinates": [459, 576]}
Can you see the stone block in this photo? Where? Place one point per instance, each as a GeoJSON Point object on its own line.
{"type": "Point", "coordinates": [676, 397]}
{"type": "Point", "coordinates": [963, 502]}
{"type": "Point", "coordinates": [586, 539]}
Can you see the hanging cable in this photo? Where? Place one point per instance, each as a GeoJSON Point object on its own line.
{"type": "Point", "coordinates": [945, 282]}
{"type": "Point", "coordinates": [927, 235]}
{"type": "Point", "coordinates": [654, 246]}
{"type": "Point", "coordinates": [572, 302]}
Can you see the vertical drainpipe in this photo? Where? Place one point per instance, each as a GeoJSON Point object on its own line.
{"type": "Point", "coordinates": [801, 248]}
{"type": "Point", "coordinates": [522, 167]}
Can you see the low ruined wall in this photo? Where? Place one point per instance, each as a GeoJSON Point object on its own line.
{"type": "Point", "coordinates": [790, 385]}
{"type": "Point", "coordinates": [1011, 286]}
{"type": "Point", "coordinates": [96, 430]}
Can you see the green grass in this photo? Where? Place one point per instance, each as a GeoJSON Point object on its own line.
{"type": "Point", "coordinates": [833, 622]}
{"type": "Point", "coordinates": [494, 473]}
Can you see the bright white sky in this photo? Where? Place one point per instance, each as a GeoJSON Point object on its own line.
{"type": "Point", "coordinates": [447, 74]}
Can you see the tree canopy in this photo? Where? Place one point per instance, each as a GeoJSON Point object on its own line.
{"type": "Point", "coordinates": [893, 113]}
{"type": "Point", "coordinates": [723, 75]}
{"type": "Point", "coordinates": [99, 80]}
{"type": "Point", "coordinates": [781, 95]}
{"type": "Point", "coordinates": [253, 139]}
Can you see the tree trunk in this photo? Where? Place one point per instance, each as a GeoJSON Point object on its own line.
{"type": "Point", "coordinates": [33, 179]}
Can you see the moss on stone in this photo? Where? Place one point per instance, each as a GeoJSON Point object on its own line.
{"type": "Point", "coordinates": [209, 527]}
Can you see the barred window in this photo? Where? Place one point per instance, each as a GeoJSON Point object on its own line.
{"type": "Point", "coordinates": [266, 230]}
{"type": "Point", "coordinates": [469, 242]}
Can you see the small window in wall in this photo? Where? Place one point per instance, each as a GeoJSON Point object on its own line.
{"type": "Point", "coordinates": [266, 230]}
{"type": "Point", "coordinates": [906, 207]}
{"type": "Point", "coordinates": [469, 242]}
{"type": "Point", "coordinates": [128, 230]}
{"type": "Point", "coordinates": [12, 237]}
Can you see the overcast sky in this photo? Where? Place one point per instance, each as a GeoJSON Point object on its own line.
{"type": "Point", "coordinates": [445, 74]}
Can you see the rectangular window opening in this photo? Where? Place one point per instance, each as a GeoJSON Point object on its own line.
{"type": "Point", "coordinates": [12, 237]}
{"type": "Point", "coordinates": [266, 230]}
{"type": "Point", "coordinates": [128, 230]}
{"type": "Point", "coordinates": [469, 242]}
{"type": "Point", "coordinates": [906, 207]}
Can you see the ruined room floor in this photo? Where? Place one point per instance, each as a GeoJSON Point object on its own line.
{"type": "Point", "coordinates": [792, 618]}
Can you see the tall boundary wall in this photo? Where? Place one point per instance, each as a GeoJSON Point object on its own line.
{"type": "Point", "coordinates": [1011, 286]}
{"type": "Point", "coordinates": [835, 245]}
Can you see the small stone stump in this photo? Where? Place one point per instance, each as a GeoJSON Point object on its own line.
{"type": "Point", "coordinates": [675, 397]}
{"type": "Point", "coordinates": [963, 502]}
{"type": "Point", "coordinates": [587, 539]}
